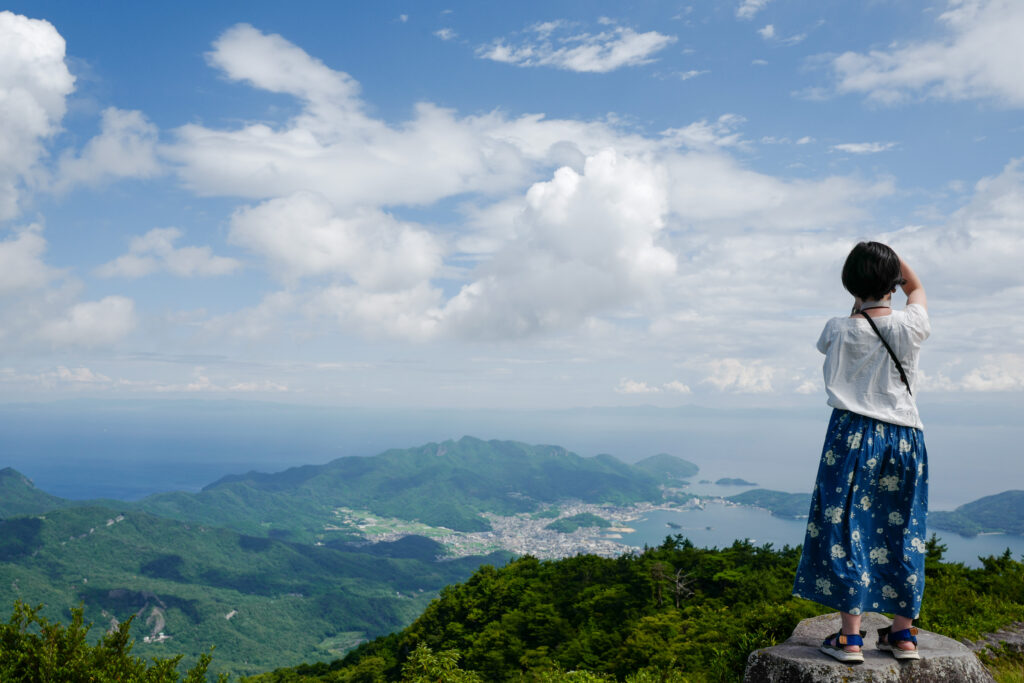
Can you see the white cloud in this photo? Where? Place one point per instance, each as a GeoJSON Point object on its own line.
{"type": "Point", "coordinates": [768, 32]}
{"type": "Point", "coordinates": [998, 372]}
{"type": "Point", "coordinates": [677, 387]}
{"type": "Point", "coordinates": [731, 374]}
{"type": "Point", "coordinates": [34, 82]}
{"type": "Point", "coordinates": [585, 244]}
{"type": "Point", "coordinates": [446, 34]}
{"type": "Point", "coordinates": [748, 8]}
{"type": "Point", "coordinates": [614, 226]}
{"type": "Point", "coordinates": [403, 18]}
{"type": "Point", "coordinates": [301, 235]}
{"type": "Point", "coordinates": [629, 386]}
{"type": "Point", "coordinates": [864, 147]}
{"type": "Point", "coordinates": [125, 148]}
{"type": "Point", "coordinates": [692, 73]}
{"type": "Point", "coordinates": [80, 375]}
{"type": "Point", "coordinates": [91, 323]}
{"type": "Point", "coordinates": [155, 251]}
{"type": "Point", "coordinates": [21, 264]}
{"type": "Point", "coordinates": [805, 140]}
{"type": "Point", "coordinates": [979, 57]}
{"type": "Point", "coordinates": [704, 135]}
{"type": "Point", "coordinates": [595, 53]}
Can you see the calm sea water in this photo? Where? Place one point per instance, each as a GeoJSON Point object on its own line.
{"type": "Point", "coordinates": [718, 525]}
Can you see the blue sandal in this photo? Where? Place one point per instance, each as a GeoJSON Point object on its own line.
{"type": "Point", "coordinates": [889, 640]}
{"type": "Point", "coordinates": [834, 644]}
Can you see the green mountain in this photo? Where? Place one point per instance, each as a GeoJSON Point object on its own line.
{"type": "Point", "coordinates": [262, 602]}
{"type": "Point", "coordinates": [19, 496]}
{"type": "Point", "coordinates": [777, 502]}
{"type": "Point", "coordinates": [1001, 513]}
{"type": "Point", "coordinates": [440, 484]}
{"type": "Point", "coordinates": [665, 466]}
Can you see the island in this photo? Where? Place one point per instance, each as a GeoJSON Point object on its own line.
{"type": "Point", "coordinates": [779, 503]}
{"type": "Point", "coordinates": [1002, 513]}
{"type": "Point", "coordinates": [731, 481]}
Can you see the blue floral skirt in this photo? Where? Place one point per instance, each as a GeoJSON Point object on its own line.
{"type": "Point", "coordinates": [865, 543]}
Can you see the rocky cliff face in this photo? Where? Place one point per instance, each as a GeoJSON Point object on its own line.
{"type": "Point", "coordinates": [798, 660]}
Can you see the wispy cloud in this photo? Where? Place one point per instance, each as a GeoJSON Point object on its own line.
{"type": "Point", "coordinates": [748, 8]}
{"type": "Point", "coordinates": [553, 44]}
{"type": "Point", "coordinates": [446, 34]}
{"type": "Point", "coordinates": [864, 147]}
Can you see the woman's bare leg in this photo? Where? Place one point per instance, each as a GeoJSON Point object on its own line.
{"type": "Point", "coordinates": [898, 624]}
{"type": "Point", "coordinates": [851, 626]}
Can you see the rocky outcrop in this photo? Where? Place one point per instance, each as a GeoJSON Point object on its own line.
{"type": "Point", "coordinates": [798, 660]}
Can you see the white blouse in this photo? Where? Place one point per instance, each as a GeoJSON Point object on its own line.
{"type": "Point", "coordinates": [859, 373]}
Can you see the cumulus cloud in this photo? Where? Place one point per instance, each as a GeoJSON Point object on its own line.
{"type": "Point", "coordinates": [732, 374]}
{"type": "Point", "coordinates": [21, 264]}
{"type": "Point", "coordinates": [34, 83]}
{"type": "Point", "coordinates": [629, 386]}
{"type": "Point", "coordinates": [584, 243]}
{"type": "Point", "coordinates": [91, 323]}
{"type": "Point", "coordinates": [748, 8]}
{"type": "Point", "coordinates": [125, 148]}
{"type": "Point", "coordinates": [301, 235]}
{"type": "Point", "coordinates": [864, 147]}
{"type": "Point", "coordinates": [979, 57]}
{"type": "Point", "coordinates": [155, 251]}
{"type": "Point", "coordinates": [446, 34]}
{"type": "Point", "coordinates": [551, 44]}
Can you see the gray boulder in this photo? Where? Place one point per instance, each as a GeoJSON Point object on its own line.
{"type": "Point", "coordinates": [798, 660]}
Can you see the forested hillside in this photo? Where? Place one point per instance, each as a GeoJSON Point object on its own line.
{"type": "Point", "coordinates": [260, 601]}
{"type": "Point", "coordinates": [674, 611]}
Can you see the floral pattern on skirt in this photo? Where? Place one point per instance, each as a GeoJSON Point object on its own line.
{"type": "Point", "coordinates": [865, 544]}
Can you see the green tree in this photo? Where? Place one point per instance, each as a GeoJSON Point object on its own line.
{"type": "Point", "coordinates": [34, 650]}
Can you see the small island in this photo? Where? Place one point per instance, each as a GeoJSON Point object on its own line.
{"type": "Point", "coordinates": [731, 481]}
{"type": "Point", "coordinates": [779, 503]}
{"type": "Point", "coordinates": [1002, 513]}
{"type": "Point", "coordinates": [567, 525]}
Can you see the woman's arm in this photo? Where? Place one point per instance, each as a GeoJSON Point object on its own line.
{"type": "Point", "coordinates": [913, 287]}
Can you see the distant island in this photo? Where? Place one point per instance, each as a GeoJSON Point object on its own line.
{"type": "Point", "coordinates": [1002, 513]}
{"type": "Point", "coordinates": [731, 481]}
{"type": "Point", "coordinates": [779, 503]}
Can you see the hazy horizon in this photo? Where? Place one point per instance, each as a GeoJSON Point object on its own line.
{"type": "Point", "coordinates": [140, 447]}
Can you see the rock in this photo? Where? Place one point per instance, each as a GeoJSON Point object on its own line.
{"type": "Point", "coordinates": [1008, 639]}
{"type": "Point", "coordinates": [798, 660]}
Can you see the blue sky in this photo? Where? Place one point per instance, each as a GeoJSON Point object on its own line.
{"type": "Point", "coordinates": [499, 205]}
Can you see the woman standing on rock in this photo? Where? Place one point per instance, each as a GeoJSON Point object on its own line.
{"type": "Point", "coordinates": [865, 543]}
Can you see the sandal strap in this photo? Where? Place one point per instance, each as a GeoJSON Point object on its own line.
{"type": "Point", "coordinates": [840, 639]}
{"type": "Point", "coordinates": [894, 637]}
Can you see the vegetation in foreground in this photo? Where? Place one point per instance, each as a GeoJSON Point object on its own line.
{"type": "Point", "coordinates": [34, 649]}
{"type": "Point", "coordinates": [672, 613]}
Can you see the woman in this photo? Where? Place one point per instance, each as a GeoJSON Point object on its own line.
{"type": "Point", "coordinates": [865, 543]}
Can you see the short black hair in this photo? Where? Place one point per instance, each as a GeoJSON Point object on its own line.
{"type": "Point", "coordinates": [871, 271]}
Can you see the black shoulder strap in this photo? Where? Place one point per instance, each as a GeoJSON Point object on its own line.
{"type": "Point", "coordinates": [892, 354]}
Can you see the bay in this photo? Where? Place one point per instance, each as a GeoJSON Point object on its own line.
{"type": "Point", "coordinates": [718, 524]}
